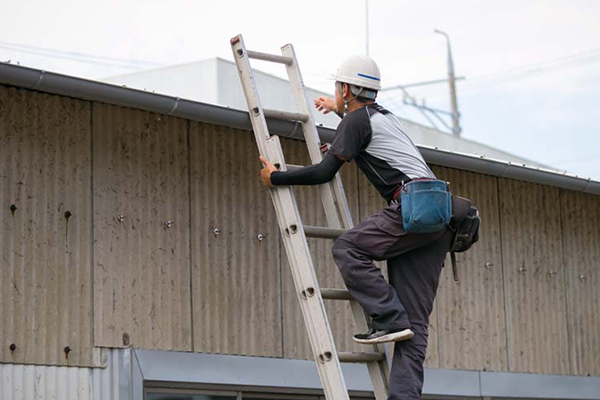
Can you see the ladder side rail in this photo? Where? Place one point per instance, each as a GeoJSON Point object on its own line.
{"type": "Point", "coordinates": [332, 194]}
{"type": "Point", "coordinates": [302, 277]}
{"type": "Point", "coordinates": [341, 201]}
{"type": "Point", "coordinates": [307, 286]}
{"type": "Point", "coordinates": [379, 371]}
{"type": "Point", "coordinates": [311, 136]}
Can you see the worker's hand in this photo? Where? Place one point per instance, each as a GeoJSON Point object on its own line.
{"type": "Point", "coordinates": [265, 173]}
{"type": "Point", "coordinates": [325, 104]}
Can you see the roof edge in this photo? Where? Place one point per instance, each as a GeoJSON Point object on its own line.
{"type": "Point", "coordinates": [50, 82]}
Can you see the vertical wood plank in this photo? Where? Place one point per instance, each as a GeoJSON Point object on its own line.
{"type": "Point", "coordinates": [45, 225]}
{"type": "Point", "coordinates": [581, 243]}
{"type": "Point", "coordinates": [471, 311]}
{"type": "Point", "coordinates": [533, 278]}
{"type": "Point", "coordinates": [236, 277]}
{"type": "Point", "coordinates": [141, 266]}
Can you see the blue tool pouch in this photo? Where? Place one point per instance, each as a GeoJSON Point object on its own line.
{"type": "Point", "coordinates": [426, 205]}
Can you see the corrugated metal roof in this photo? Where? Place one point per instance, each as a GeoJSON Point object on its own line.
{"type": "Point", "coordinates": [91, 90]}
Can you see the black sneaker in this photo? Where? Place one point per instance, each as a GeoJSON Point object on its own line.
{"type": "Point", "coordinates": [375, 336]}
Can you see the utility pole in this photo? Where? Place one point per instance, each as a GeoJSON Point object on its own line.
{"type": "Point", "coordinates": [367, 25]}
{"type": "Point", "coordinates": [451, 79]}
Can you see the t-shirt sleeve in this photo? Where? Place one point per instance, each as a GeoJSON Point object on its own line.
{"type": "Point", "coordinates": [352, 135]}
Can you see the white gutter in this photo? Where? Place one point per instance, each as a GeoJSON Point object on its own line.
{"type": "Point", "coordinates": [80, 88]}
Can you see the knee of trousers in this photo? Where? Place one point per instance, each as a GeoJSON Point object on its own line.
{"type": "Point", "coordinates": [341, 254]}
{"type": "Point", "coordinates": [413, 351]}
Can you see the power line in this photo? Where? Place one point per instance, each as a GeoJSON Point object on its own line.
{"type": "Point", "coordinates": [578, 159]}
{"type": "Point", "coordinates": [478, 83]}
{"type": "Point", "coordinates": [513, 74]}
{"type": "Point", "coordinates": [541, 64]}
{"type": "Point", "coordinates": [535, 69]}
{"type": "Point", "coordinates": [426, 112]}
{"type": "Point", "coordinates": [78, 57]}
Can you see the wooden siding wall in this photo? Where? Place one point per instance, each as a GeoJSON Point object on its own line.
{"type": "Point", "coordinates": [45, 230]}
{"type": "Point", "coordinates": [533, 277]}
{"type": "Point", "coordinates": [581, 251]}
{"type": "Point", "coordinates": [141, 267]}
{"type": "Point", "coordinates": [528, 299]}
{"type": "Point", "coordinates": [236, 278]}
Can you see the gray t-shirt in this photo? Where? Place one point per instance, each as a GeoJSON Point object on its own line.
{"type": "Point", "coordinates": [383, 151]}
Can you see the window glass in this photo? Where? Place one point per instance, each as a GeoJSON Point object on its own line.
{"type": "Point", "coordinates": [276, 396]}
{"type": "Point", "coordinates": [182, 396]}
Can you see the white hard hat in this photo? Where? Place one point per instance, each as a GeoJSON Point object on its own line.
{"type": "Point", "coordinates": [360, 71]}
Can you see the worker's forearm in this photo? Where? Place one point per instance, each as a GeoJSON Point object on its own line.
{"type": "Point", "coordinates": [311, 175]}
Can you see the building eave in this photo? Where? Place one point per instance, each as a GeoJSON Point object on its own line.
{"type": "Point", "coordinates": [55, 83]}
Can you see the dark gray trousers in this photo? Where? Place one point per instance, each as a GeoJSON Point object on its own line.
{"type": "Point", "coordinates": [414, 263]}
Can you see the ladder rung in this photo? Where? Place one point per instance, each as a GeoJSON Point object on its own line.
{"type": "Point", "coordinates": [322, 232]}
{"type": "Point", "coordinates": [336, 294]}
{"type": "Point", "coordinates": [285, 115]}
{"type": "Point", "coordinates": [270, 57]}
{"type": "Point", "coordinates": [360, 357]}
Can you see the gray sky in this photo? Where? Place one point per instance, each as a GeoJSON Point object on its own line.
{"type": "Point", "coordinates": [545, 107]}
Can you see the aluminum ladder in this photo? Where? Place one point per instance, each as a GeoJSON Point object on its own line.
{"type": "Point", "coordinates": [294, 233]}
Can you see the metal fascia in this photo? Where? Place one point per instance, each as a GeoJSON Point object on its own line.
{"type": "Point", "coordinates": [446, 382]}
{"type": "Point", "coordinates": [506, 384]}
{"type": "Point", "coordinates": [199, 368]}
{"type": "Point", "coordinates": [170, 366]}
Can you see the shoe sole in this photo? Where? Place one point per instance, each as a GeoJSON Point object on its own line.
{"type": "Point", "coordinates": [390, 337]}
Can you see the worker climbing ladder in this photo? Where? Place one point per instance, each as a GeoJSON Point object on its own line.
{"type": "Point", "coordinates": [294, 233]}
